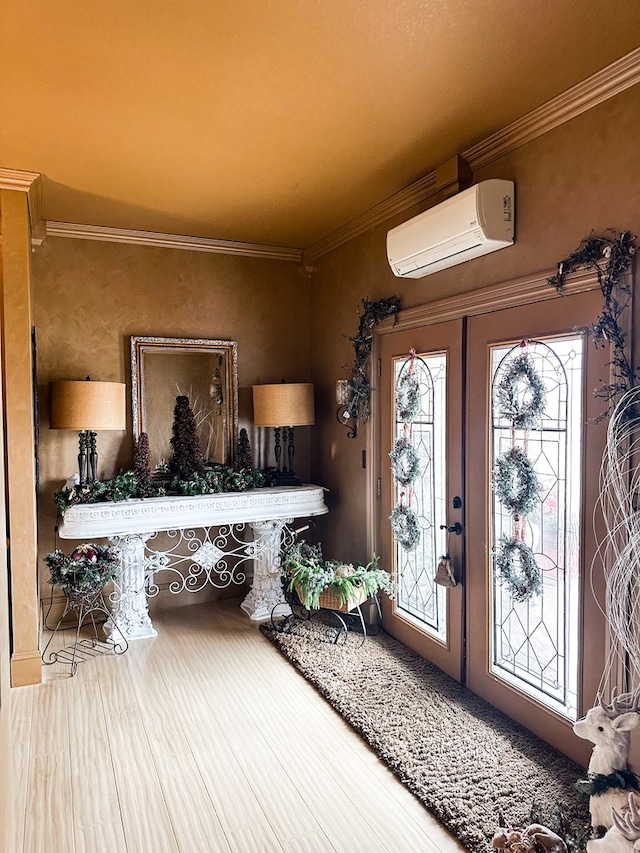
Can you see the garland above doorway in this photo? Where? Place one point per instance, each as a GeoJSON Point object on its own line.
{"type": "Point", "coordinates": [609, 257]}
{"type": "Point", "coordinates": [359, 387]}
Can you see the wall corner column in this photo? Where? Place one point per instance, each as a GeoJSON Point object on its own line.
{"type": "Point", "coordinates": [17, 366]}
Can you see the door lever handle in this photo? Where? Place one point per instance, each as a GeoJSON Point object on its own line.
{"type": "Point", "coordinates": [455, 528]}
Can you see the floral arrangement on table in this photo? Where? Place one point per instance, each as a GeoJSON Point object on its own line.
{"type": "Point", "coordinates": [88, 567]}
{"type": "Point", "coordinates": [307, 572]}
{"type": "Point", "coordinates": [128, 484]}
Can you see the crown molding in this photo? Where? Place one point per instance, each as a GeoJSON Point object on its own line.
{"type": "Point", "coordinates": [106, 234]}
{"type": "Point", "coordinates": [31, 184]}
{"type": "Point", "coordinates": [600, 87]}
{"type": "Point", "coordinates": [584, 96]}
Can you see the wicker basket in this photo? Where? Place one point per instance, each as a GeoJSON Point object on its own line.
{"type": "Point", "coordinates": [331, 600]}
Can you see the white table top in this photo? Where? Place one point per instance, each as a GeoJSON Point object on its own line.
{"type": "Point", "coordinates": [84, 521]}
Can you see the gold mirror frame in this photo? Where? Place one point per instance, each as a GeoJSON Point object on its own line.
{"type": "Point", "coordinates": [209, 378]}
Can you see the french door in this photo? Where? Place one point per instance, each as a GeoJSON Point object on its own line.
{"type": "Point", "coordinates": [520, 627]}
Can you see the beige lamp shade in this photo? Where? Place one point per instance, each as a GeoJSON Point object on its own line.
{"type": "Point", "coordinates": [287, 404]}
{"type": "Point", "coordinates": [88, 405]}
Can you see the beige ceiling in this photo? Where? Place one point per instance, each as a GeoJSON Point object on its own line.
{"type": "Point", "coordinates": [274, 121]}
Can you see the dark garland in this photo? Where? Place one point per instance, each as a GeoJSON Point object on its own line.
{"type": "Point", "coordinates": [523, 412]}
{"type": "Point", "coordinates": [515, 482]}
{"type": "Point", "coordinates": [597, 784]}
{"type": "Point", "coordinates": [609, 257]}
{"type": "Point", "coordinates": [528, 581]}
{"type": "Point", "coordinates": [406, 527]}
{"type": "Point", "coordinates": [373, 313]}
{"type": "Point", "coordinates": [405, 463]}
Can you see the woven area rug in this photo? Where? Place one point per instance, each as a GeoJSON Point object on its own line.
{"type": "Point", "coordinates": [461, 757]}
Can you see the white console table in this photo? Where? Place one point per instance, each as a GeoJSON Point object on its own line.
{"type": "Point", "coordinates": [248, 527]}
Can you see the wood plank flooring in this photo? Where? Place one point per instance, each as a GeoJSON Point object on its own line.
{"type": "Point", "coordinates": [202, 739]}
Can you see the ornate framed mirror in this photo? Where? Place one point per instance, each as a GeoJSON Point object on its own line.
{"type": "Point", "coordinates": [206, 372]}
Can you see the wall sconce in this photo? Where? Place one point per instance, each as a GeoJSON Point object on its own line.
{"type": "Point", "coordinates": [88, 406]}
{"type": "Point", "coordinates": [343, 399]}
{"type": "Point", "coordinates": [284, 406]}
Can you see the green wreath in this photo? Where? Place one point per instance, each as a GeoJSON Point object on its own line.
{"type": "Point", "coordinates": [406, 528]}
{"type": "Point", "coordinates": [522, 412]}
{"type": "Point", "coordinates": [405, 463]}
{"type": "Point", "coordinates": [526, 582]}
{"type": "Point", "coordinates": [408, 397]}
{"type": "Point", "coordinates": [515, 482]}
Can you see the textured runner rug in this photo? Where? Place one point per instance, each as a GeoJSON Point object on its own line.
{"type": "Point", "coordinates": [460, 756]}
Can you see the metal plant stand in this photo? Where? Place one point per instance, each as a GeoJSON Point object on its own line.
{"type": "Point", "coordinates": [337, 622]}
{"type": "Point", "coordinates": [87, 605]}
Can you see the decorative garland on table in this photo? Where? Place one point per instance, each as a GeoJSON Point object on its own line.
{"type": "Point", "coordinates": [514, 478]}
{"type": "Point", "coordinates": [609, 257]}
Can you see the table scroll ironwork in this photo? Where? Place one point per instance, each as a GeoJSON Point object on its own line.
{"type": "Point", "coordinates": [199, 541]}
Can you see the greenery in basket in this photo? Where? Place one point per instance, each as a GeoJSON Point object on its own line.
{"type": "Point", "coordinates": [310, 574]}
{"type": "Point", "coordinates": [128, 484]}
{"type": "Point", "coordinates": [89, 566]}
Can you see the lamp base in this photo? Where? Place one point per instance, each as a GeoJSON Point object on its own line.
{"type": "Point", "coordinates": [284, 478]}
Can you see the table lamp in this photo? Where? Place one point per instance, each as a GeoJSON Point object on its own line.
{"type": "Point", "coordinates": [284, 406]}
{"type": "Point", "coordinates": [87, 406]}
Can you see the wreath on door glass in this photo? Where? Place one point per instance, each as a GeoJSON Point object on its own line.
{"type": "Point", "coordinates": [408, 396]}
{"type": "Point", "coordinates": [405, 463]}
{"type": "Point", "coordinates": [406, 527]}
{"type": "Point", "coordinates": [523, 409]}
{"type": "Point", "coordinates": [524, 581]}
{"type": "Point", "coordinates": [515, 481]}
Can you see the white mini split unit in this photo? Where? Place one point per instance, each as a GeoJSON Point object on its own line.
{"type": "Point", "coordinates": [474, 222]}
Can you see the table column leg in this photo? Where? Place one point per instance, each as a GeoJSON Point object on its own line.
{"type": "Point", "coordinates": [130, 610]}
{"type": "Point", "coordinates": [266, 590]}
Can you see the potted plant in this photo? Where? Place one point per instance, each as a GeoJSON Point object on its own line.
{"type": "Point", "coordinates": [331, 584]}
{"type": "Point", "coordinates": [89, 567]}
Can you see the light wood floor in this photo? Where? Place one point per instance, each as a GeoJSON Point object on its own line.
{"type": "Point", "coordinates": [203, 739]}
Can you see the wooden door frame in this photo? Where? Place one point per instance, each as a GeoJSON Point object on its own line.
{"type": "Point", "coordinates": [511, 294]}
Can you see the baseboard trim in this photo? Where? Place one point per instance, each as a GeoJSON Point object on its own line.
{"type": "Point", "coordinates": [26, 668]}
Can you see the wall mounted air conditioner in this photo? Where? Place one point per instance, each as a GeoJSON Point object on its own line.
{"type": "Point", "coordinates": [474, 222]}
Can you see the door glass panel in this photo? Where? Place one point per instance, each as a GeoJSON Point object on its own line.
{"type": "Point", "coordinates": [419, 599]}
{"type": "Point", "coordinates": [535, 642]}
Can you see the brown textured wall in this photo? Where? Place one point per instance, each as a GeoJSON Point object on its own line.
{"type": "Point", "coordinates": [90, 297]}
{"type": "Point", "coordinates": [581, 177]}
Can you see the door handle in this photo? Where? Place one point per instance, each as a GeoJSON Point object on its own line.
{"type": "Point", "coordinates": [455, 528]}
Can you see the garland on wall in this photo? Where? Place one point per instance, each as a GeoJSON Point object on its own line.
{"type": "Point", "coordinates": [609, 257]}
{"type": "Point", "coordinates": [405, 464]}
{"type": "Point", "coordinates": [520, 398]}
{"type": "Point", "coordinates": [359, 386]}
